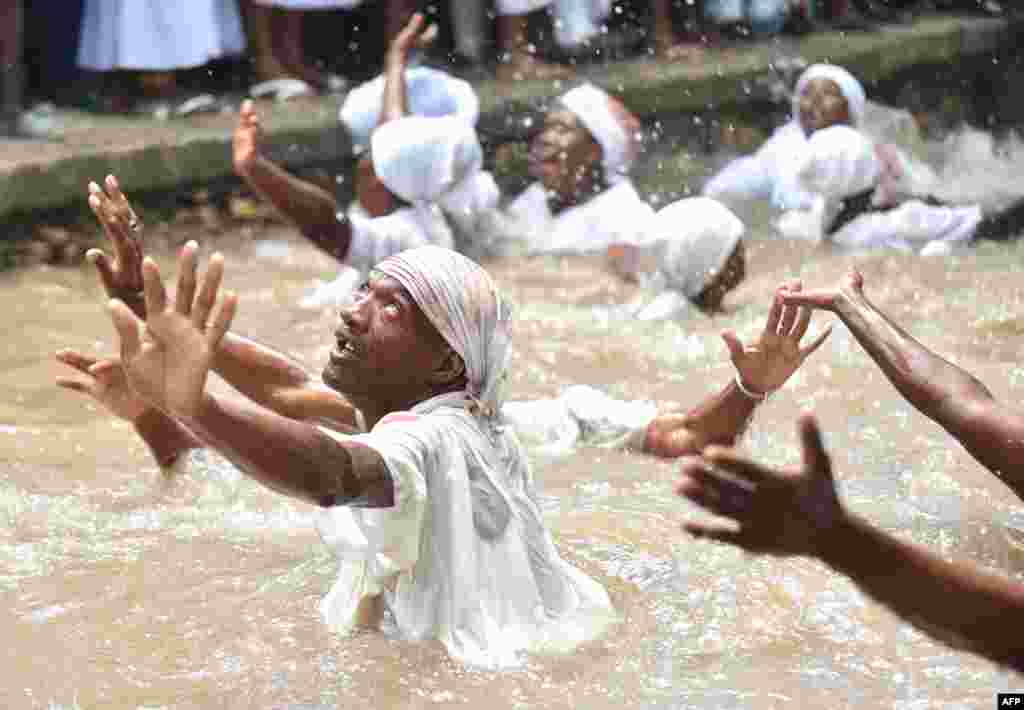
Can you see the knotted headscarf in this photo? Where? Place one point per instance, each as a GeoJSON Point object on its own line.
{"type": "Point", "coordinates": [430, 92]}
{"type": "Point", "coordinates": [840, 162]}
{"type": "Point", "coordinates": [459, 298]}
{"type": "Point", "coordinates": [611, 124]}
{"type": "Point", "coordinates": [851, 89]}
{"type": "Point", "coordinates": [420, 159]}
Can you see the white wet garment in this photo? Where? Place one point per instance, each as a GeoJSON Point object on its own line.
{"type": "Point", "coordinates": [311, 4]}
{"type": "Point", "coordinates": [610, 123]}
{"type": "Point", "coordinates": [771, 172]}
{"type": "Point", "coordinates": [463, 556]}
{"type": "Point", "coordinates": [429, 92]}
{"type": "Point", "coordinates": [616, 215]}
{"type": "Point", "coordinates": [158, 35]}
{"type": "Point", "coordinates": [574, 21]}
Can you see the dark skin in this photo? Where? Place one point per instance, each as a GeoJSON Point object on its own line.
{"type": "Point", "coordinates": [796, 511]}
{"type": "Point", "coordinates": [821, 105]}
{"type": "Point", "coordinates": [992, 431]}
{"type": "Point", "coordinates": [725, 280]}
{"type": "Point", "coordinates": [566, 160]}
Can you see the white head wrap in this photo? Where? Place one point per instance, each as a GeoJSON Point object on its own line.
{"type": "Point", "coordinates": [420, 159]}
{"type": "Point", "coordinates": [430, 92]}
{"type": "Point", "coordinates": [840, 162]}
{"type": "Point", "coordinates": [459, 298]}
{"type": "Point", "coordinates": [697, 236]}
{"type": "Point", "coordinates": [851, 89]}
{"type": "Point", "coordinates": [611, 124]}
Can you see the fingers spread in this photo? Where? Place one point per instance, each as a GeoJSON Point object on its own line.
{"type": "Point", "coordinates": [815, 457]}
{"type": "Point", "coordinates": [222, 318]}
{"type": "Point", "coordinates": [74, 384]}
{"type": "Point", "coordinates": [730, 461]}
{"type": "Point", "coordinates": [733, 343]}
{"type": "Point", "coordinates": [103, 268]}
{"type": "Point", "coordinates": [717, 533]}
{"type": "Point", "coordinates": [803, 320]}
{"type": "Point", "coordinates": [816, 343]}
{"type": "Point", "coordinates": [771, 325]}
{"type": "Point", "coordinates": [75, 359]}
{"type": "Point", "coordinates": [713, 492]}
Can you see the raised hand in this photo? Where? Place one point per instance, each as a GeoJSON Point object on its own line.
{"type": "Point", "coordinates": [122, 276]}
{"type": "Point", "coordinates": [784, 511]}
{"type": "Point", "coordinates": [168, 361]}
{"type": "Point", "coordinates": [827, 299]}
{"type": "Point", "coordinates": [776, 354]}
{"type": "Point", "coordinates": [245, 145]}
{"type": "Point", "coordinates": [104, 380]}
{"type": "Point", "coordinates": [413, 36]}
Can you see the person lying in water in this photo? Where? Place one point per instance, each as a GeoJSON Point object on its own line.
{"type": "Point", "coordinates": [406, 419]}
{"type": "Point", "coordinates": [796, 511]}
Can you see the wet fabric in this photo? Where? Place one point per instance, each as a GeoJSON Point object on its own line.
{"type": "Point", "coordinates": [311, 4]}
{"type": "Point", "coordinates": [611, 124]}
{"type": "Point", "coordinates": [616, 215]}
{"type": "Point", "coordinates": [158, 35]}
{"type": "Point", "coordinates": [574, 21]}
{"type": "Point", "coordinates": [429, 92]}
{"type": "Point", "coordinates": [463, 556]}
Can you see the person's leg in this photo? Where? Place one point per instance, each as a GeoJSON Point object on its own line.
{"type": "Point", "coordinates": [468, 27]}
{"type": "Point", "coordinates": [517, 60]}
{"type": "Point", "coordinates": [666, 47]}
{"type": "Point", "coordinates": [291, 49]}
{"type": "Point", "coordinates": [260, 26]}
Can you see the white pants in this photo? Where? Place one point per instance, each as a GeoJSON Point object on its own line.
{"type": "Point", "coordinates": [575, 20]}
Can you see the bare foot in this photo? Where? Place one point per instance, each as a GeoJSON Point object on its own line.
{"type": "Point", "coordinates": [522, 66]}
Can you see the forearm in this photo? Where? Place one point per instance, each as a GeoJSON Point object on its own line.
{"type": "Point", "coordinates": [395, 103]}
{"type": "Point", "coordinates": [938, 388]}
{"type": "Point", "coordinates": [720, 419]}
{"type": "Point", "coordinates": [311, 208]}
{"type": "Point", "coordinates": [292, 457]}
{"type": "Point", "coordinates": [955, 602]}
{"type": "Point", "coordinates": [166, 437]}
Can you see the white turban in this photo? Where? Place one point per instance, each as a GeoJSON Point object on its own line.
{"type": "Point", "coordinates": [459, 298]}
{"type": "Point", "coordinates": [420, 159]}
{"type": "Point", "coordinates": [840, 162]}
{"type": "Point", "coordinates": [850, 88]}
{"type": "Point", "coordinates": [430, 92]}
{"type": "Point", "coordinates": [697, 235]}
{"type": "Point", "coordinates": [611, 124]}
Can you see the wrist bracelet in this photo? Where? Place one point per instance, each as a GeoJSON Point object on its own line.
{"type": "Point", "coordinates": [756, 396]}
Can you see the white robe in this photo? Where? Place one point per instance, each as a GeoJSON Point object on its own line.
{"type": "Point", "coordinates": [616, 215]}
{"type": "Point", "coordinates": [158, 35]}
{"type": "Point", "coordinates": [463, 556]}
{"type": "Point", "coordinates": [575, 21]}
{"type": "Point", "coordinates": [311, 4]}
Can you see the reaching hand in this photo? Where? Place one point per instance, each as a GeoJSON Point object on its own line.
{"type": "Point", "coordinates": [245, 145]}
{"type": "Point", "coordinates": [122, 277]}
{"type": "Point", "coordinates": [780, 511]}
{"type": "Point", "coordinates": [827, 299]}
{"type": "Point", "coordinates": [776, 355]}
{"type": "Point", "coordinates": [105, 382]}
{"type": "Point", "coordinates": [167, 363]}
{"type": "Point", "coordinates": [412, 36]}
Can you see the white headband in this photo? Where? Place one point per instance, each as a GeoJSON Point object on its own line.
{"type": "Point", "coordinates": [614, 128]}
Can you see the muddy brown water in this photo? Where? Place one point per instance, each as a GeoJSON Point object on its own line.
{"type": "Point", "coordinates": [121, 589]}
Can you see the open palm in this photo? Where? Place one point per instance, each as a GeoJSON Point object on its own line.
{"type": "Point", "coordinates": [167, 359]}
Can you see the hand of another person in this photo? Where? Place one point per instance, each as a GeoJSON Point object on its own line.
{"type": "Point", "coordinates": [168, 361]}
{"type": "Point", "coordinates": [773, 358]}
{"type": "Point", "coordinates": [245, 145]}
{"type": "Point", "coordinates": [826, 299]}
{"type": "Point", "coordinates": [783, 511]}
{"type": "Point", "coordinates": [122, 277]}
{"type": "Point", "coordinates": [105, 382]}
{"type": "Point", "coordinates": [413, 36]}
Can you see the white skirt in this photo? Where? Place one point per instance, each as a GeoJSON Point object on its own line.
{"type": "Point", "coordinates": [158, 35]}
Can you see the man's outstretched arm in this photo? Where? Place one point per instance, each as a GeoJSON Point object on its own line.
{"type": "Point", "coordinates": [992, 432]}
{"type": "Point", "coordinates": [796, 511]}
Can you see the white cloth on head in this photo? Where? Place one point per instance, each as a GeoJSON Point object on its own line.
{"type": "Point", "coordinates": [420, 158]}
{"type": "Point", "coordinates": [459, 298]}
{"type": "Point", "coordinates": [610, 123]}
{"type": "Point", "coordinates": [616, 215]}
{"type": "Point", "coordinates": [839, 162]}
{"type": "Point", "coordinates": [430, 92]}
{"type": "Point", "coordinates": [463, 556]}
{"type": "Point", "coordinates": [851, 89]}
{"type": "Point", "coordinates": [157, 35]}
{"type": "Point", "coordinates": [693, 239]}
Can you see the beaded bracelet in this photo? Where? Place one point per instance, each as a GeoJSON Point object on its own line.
{"type": "Point", "coordinates": [756, 396]}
